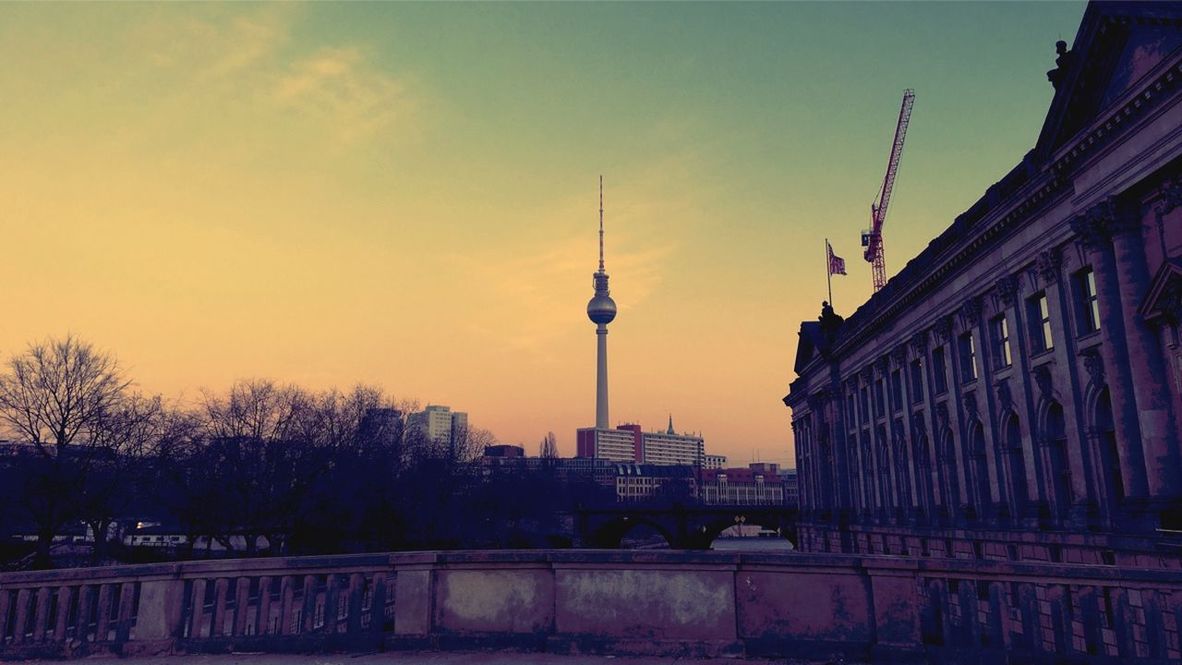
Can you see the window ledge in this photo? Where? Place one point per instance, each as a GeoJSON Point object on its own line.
{"type": "Point", "coordinates": [1039, 355]}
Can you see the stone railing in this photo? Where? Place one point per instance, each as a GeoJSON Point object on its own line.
{"type": "Point", "coordinates": [704, 603]}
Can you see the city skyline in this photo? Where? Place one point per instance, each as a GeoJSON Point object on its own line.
{"type": "Point", "coordinates": [324, 195]}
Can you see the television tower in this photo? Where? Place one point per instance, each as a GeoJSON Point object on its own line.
{"type": "Point", "coordinates": [601, 310]}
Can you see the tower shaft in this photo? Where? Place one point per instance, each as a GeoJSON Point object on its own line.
{"type": "Point", "coordinates": [601, 415]}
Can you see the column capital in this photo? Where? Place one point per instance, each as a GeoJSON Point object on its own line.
{"type": "Point", "coordinates": [1094, 365]}
{"type": "Point", "coordinates": [1170, 195]}
{"type": "Point", "coordinates": [1005, 398]}
{"type": "Point", "coordinates": [970, 312]}
{"type": "Point", "coordinates": [867, 374]}
{"type": "Point", "coordinates": [942, 330]}
{"type": "Point", "coordinates": [1007, 289]}
{"type": "Point", "coordinates": [969, 402]}
{"type": "Point", "coordinates": [942, 417]}
{"type": "Point", "coordinates": [899, 355]}
{"type": "Point", "coordinates": [918, 426]}
{"type": "Point", "coordinates": [1048, 263]}
{"type": "Point", "coordinates": [1042, 378]}
{"type": "Point", "coordinates": [1103, 221]}
{"type": "Point", "coordinates": [919, 343]}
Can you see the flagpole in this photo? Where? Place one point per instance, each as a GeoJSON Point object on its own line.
{"type": "Point", "coordinates": [829, 271]}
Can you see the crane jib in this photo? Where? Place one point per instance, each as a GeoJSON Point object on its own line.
{"type": "Point", "coordinates": [878, 210]}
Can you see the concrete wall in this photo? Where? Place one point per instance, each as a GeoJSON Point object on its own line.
{"type": "Point", "coordinates": [621, 602]}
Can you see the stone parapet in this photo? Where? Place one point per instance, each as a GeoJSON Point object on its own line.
{"type": "Point", "coordinates": [596, 601]}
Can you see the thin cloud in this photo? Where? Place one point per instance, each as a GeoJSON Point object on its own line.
{"type": "Point", "coordinates": [342, 88]}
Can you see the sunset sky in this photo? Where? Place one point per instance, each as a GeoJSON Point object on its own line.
{"type": "Point", "coordinates": [405, 194]}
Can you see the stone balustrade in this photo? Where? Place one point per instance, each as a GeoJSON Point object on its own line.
{"type": "Point", "coordinates": [627, 602]}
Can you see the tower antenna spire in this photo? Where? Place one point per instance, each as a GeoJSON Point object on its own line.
{"type": "Point", "coordinates": [601, 223]}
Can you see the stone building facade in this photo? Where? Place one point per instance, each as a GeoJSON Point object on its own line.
{"type": "Point", "coordinates": [1015, 391]}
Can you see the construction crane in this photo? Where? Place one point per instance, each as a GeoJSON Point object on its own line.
{"type": "Point", "coordinates": [872, 237]}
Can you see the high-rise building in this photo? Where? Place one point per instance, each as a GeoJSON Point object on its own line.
{"type": "Point", "coordinates": [628, 443]}
{"type": "Point", "coordinates": [669, 447]}
{"type": "Point", "coordinates": [439, 423]}
{"type": "Point", "coordinates": [623, 444]}
{"type": "Point", "coordinates": [713, 461]}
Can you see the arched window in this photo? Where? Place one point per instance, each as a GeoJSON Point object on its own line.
{"type": "Point", "coordinates": [923, 473]}
{"type": "Point", "coordinates": [902, 466]}
{"type": "Point", "coordinates": [883, 466]}
{"type": "Point", "coordinates": [949, 482]}
{"type": "Point", "coordinates": [978, 470]}
{"type": "Point", "coordinates": [1015, 464]}
{"type": "Point", "coordinates": [1105, 431]}
{"type": "Point", "coordinates": [1058, 486]}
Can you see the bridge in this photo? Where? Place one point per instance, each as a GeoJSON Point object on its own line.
{"type": "Point", "coordinates": [800, 606]}
{"type": "Point", "coordinates": [689, 526]}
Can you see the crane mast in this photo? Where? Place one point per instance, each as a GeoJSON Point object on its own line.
{"type": "Point", "coordinates": [872, 238]}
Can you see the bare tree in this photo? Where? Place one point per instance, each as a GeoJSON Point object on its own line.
{"type": "Point", "coordinates": [60, 391]}
{"type": "Point", "coordinates": [131, 434]}
{"type": "Point", "coordinates": [65, 398]}
{"type": "Point", "coordinates": [549, 447]}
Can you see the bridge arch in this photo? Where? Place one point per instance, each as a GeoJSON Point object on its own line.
{"type": "Point", "coordinates": [610, 534]}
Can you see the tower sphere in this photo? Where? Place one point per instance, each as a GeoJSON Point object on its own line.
{"type": "Point", "coordinates": [601, 309]}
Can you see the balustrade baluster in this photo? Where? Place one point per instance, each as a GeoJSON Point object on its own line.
{"type": "Point", "coordinates": [1155, 628]}
{"type": "Point", "coordinates": [998, 628]}
{"type": "Point", "coordinates": [332, 603]}
{"type": "Point", "coordinates": [241, 606]}
{"type": "Point", "coordinates": [1028, 609]}
{"type": "Point", "coordinates": [356, 597]}
{"type": "Point", "coordinates": [377, 607]}
{"type": "Point", "coordinates": [64, 596]}
{"type": "Point", "coordinates": [21, 620]}
{"type": "Point", "coordinates": [5, 605]}
{"type": "Point", "coordinates": [1089, 609]}
{"type": "Point", "coordinates": [126, 612]}
{"type": "Point", "coordinates": [262, 619]}
{"type": "Point", "coordinates": [1126, 644]}
{"type": "Point", "coordinates": [286, 621]}
{"type": "Point", "coordinates": [103, 624]}
{"type": "Point", "coordinates": [309, 599]}
{"type": "Point", "coordinates": [86, 612]}
{"type": "Point", "coordinates": [967, 634]}
{"type": "Point", "coordinates": [1060, 619]}
{"type": "Point", "coordinates": [217, 626]}
{"type": "Point", "coordinates": [41, 616]}
{"type": "Point", "coordinates": [197, 613]}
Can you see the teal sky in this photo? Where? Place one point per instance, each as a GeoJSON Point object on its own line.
{"type": "Point", "coordinates": [405, 193]}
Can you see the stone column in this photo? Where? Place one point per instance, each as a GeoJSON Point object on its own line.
{"type": "Point", "coordinates": [1090, 228]}
{"type": "Point", "coordinates": [1159, 437]}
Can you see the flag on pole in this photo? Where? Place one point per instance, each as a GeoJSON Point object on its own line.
{"type": "Point", "coordinates": [836, 263]}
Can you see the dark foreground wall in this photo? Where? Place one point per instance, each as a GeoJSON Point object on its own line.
{"type": "Point", "coordinates": [712, 603]}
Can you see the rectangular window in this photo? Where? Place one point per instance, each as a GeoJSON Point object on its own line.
{"type": "Point", "coordinates": [1001, 342]}
{"type": "Point", "coordinates": [879, 398]}
{"type": "Point", "coordinates": [897, 390]}
{"type": "Point", "coordinates": [1087, 304]}
{"type": "Point", "coordinates": [968, 358]}
{"type": "Point", "coordinates": [1040, 323]}
{"type": "Point", "coordinates": [865, 404]}
{"type": "Point", "coordinates": [940, 371]}
{"type": "Point", "coordinates": [916, 381]}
